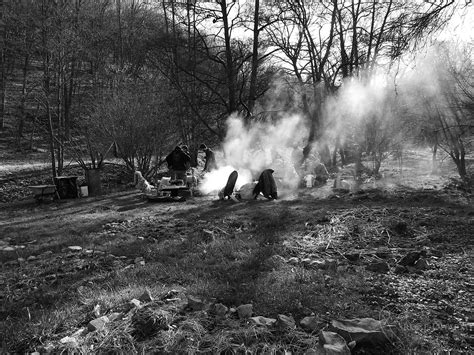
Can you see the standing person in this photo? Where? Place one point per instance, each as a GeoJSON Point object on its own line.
{"type": "Point", "coordinates": [210, 158]}
{"type": "Point", "coordinates": [178, 162]}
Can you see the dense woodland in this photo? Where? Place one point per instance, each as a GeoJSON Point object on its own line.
{"type": "Point", "coordinates": [134, 78]}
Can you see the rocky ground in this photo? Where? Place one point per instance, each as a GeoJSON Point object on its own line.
{"type": "Point", "coordinates": [385, 270]}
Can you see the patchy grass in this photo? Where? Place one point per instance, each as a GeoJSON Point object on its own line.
{"type": "Point", "coordinates": [301, 257]}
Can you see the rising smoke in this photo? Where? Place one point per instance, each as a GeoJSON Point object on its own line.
{"type": "Point", "coordinates": [380, 111]}
{"type": "Point", "coordinates": [250, 149]}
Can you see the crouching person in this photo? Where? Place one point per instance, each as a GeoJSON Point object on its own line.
{"type": "Point", "coordinates": [265, 185]}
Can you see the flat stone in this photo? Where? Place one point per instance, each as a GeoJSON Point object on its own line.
{"type": "Point", "coordinates": [365, 331]}
{"type": "Point", "coordinates": [400, 269]}
{"type": "Point", "coordinates": [146, 297]}
{"type": "Point", "coordinates": [422, 264]}
{"type": "Point", "coordinates": [9, 249]}
{"type": "Point", "coordinates": [98, 323]}
{"type": "Point", "coordinates": [310, 323]}
{"type": "Point", "coordinates": [220, 310]}
{"type": "Point", "coordinates": [332, 343]}
{"type": "Point", "coordinates": [31, 258]}
{"type": "Point", "coordinates": [20, 260]}
{"type": "Point", "coordinates": [285, 322]}
{"type": "Point", "coordinates": [75, 248]}
{"type": "Point", "coordinates": [245, 311]}
{"type": "Point", "coordinates": [263, 321]}
{"type": "Point", "coordinates": [410, 258]}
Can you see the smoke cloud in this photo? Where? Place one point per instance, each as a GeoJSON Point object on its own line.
{"type": "Point", "coordinates": [252, 148]}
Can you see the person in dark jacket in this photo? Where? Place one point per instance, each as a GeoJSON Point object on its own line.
{"type": "Point", "coordinates": [210, 163]}
{"type": "Point", "coordinates": [266, 185]}
{"type": "Point", "coordinates": [178, 162]}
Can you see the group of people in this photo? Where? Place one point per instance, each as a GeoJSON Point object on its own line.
{"type": "Point", "coordinates": [179, 164]}
{"type": "Point", "coordinates": [179, 161]}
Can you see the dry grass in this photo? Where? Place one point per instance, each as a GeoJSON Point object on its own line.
{"type": "Point", "coordinates": [234, 254]}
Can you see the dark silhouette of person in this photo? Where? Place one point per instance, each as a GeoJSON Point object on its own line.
{"type": "Point", "coordinates": [178, 162]}
{"type": "Point", "coordinates": [266, 185]}
{"type": "Point", "coordinates": [210, 163]}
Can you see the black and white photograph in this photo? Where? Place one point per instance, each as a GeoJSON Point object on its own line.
{"type": "Point", "coordinates": [271, 177]}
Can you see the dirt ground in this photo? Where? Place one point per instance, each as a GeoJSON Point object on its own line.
{"type": "Point", "coordinates": [316, 252]}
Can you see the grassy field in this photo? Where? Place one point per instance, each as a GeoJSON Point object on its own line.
{"type": "Point", "coordinates": [311, 255]}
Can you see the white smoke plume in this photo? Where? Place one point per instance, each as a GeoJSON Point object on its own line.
{"type": "Point", "coordinates": [252, 148]}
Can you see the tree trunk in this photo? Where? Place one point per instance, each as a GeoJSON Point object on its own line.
{"type": "Point", "coordinates": [2, 67]}
{"type": "Point", "coordinates": [21, 122]}
{"type": "Point", "coordinates": [253, 74]}
{"type": "Point", "coordinates": [230, 70]}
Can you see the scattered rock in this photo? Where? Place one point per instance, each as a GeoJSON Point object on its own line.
{"type": "Point", "coordinates": [422, 264]}
{"type": "Point", "coordinates": [400, 269]}
{"type": "Point", "coordinates": [263, 321]}
{"type": "Point", "coordinates": [8, 249]}
{"type": "Point", "coordinates": [20, 260]}
{"type": "Point", "coordinates": [195, 304]}
{"type": "Point", "coordinates": [69, 341]}
{"type": "Point", "coordinates": [136, 303]}
{"type": "Point", "coordinates": [381, 267]}
{"type": "Point", "coordinates": [364, 331]}
{"type": "Point", "coordinates": [31, 258]}
{"type": "Point", "coordinates": [146, 297]}
{"type": "Point", "coordinates": [98, 323]}
{"type": "Point", "coordinates": [245, 311]}
{"type": "Point", "coordinates": [220, 310]}
{"type": "Point", "coordinates": [332, 343]}
{"type": "Point", "coordinates": [75, 248]}
{"type": "Point", "coordinates": [285, 322]}
{"type": "Point", "coordinates": [411, 258]}
{"type": "Point", "coordinates": [310, 323]}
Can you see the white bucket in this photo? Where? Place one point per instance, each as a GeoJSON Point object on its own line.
{"type": "Point", "coordinates": [84, 191]}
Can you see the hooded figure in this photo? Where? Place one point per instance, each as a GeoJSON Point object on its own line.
{"type": "Point", "coordinates": [266, 185]}
{"type": "Point", "coordinates": [178, 162]}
